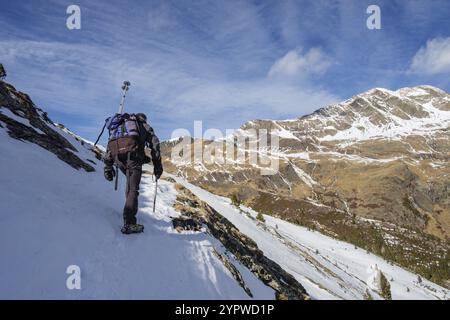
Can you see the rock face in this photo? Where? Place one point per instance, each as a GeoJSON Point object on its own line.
{"type": "Point", "coordinates": [2, 72]}
{"type": "Point", "coordinates": [373, 170]}
{"type": "Point", "coordinates": [25, 121]}
{"type": "Point", "coordinates": [197, 213]}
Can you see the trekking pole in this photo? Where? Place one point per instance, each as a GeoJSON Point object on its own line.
{"type": "Point", "coordinates": [125, 87]}
{"type": "Point", "coordinates": [156, 191]}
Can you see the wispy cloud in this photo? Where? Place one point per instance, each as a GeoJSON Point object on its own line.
{"type": "Point", "coordinates": [434, 58]}
{"type": "Point", "coordinates": [294, 63]}
{"type": "Point", "coordinates": [211, 66]}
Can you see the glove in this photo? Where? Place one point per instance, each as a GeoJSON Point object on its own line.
{"type": "Point", "coordinates": [158, 170]}
{"type": "Point", "coordinates": [109, 173]}
{"type": "Point", "coordinates": [147, 159]}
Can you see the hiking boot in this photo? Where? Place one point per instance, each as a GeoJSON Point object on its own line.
{"type": "Point", "coordinates": [132, 228]}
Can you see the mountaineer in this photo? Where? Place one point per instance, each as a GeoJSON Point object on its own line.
{"type": "Point", "coordinates": [129, 134]}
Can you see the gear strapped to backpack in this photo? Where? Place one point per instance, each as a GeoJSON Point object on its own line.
{"type": "Point", "coordinates": [124, 134]}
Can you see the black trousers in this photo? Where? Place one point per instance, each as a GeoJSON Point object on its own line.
{"type": "Point", "coordinates": [133, 173]}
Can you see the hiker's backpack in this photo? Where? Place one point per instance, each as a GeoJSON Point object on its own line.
{"type": "Point", "coordinates": [124, 134]}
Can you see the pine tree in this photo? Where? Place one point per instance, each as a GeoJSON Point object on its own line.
{"type": "Point", "coordinates": [235, 200]}
{"type": "Point", "coordinates": [385, 287]}
{"type": "Point", "coordinates": [367, 295]}
{"type": "Point", "coordinates": [260, 217]}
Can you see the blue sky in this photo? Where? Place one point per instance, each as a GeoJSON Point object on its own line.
{"type": "Point", "coordinates": [223, 62]}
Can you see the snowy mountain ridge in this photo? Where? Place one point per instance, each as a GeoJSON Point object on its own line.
{"type": "Point", "coordinates": [393, 121]}
{"type": "Point", "coordinates": [377, 113]}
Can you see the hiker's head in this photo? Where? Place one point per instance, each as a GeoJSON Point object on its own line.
{"type": "Point", "coordinates": [141, 117]}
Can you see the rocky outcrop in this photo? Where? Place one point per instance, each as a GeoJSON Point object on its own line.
{"type": "Point", "coordinates": [40, 130]}
{"type": "Point", "coordinates": [197, 213]}
{"type": "Point", "coordinates": [234, 272]}
{"type": "Point", "coordinates": [186, 224]}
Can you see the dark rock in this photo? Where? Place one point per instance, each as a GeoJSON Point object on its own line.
{"type": "Point", "coordinates": [183, 223]}
{"type": "Point", "coordinates": [21, 105]}
{"type": "Point", "coordinates": [2, 72]}
{"type": "Point", "coordinates": [234, 272]}
{"type": "Point", "coordinates": [170, 179]}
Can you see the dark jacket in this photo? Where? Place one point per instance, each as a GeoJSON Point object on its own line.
{"type": "Point", "coordinates": [152, 141]}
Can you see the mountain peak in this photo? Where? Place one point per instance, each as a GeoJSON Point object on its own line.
{"type": "Point", "coordinates": [406, 92]}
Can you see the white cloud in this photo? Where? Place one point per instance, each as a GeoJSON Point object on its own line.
{"type": "Point", "coordinates": [294, 63]}
{"type": "Point", "coordinates": [434, 58]}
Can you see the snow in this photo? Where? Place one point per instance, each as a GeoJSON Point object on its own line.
{"type": "Point", "coordinates": [72, 137]}
{"type": "Point", "coordinates": [54, 216]}
{"type": "Point", "coordinates": [303, 175]}
{"type": "Point", "coordinates": [19, 119]}
{"type": "Point", "coordinates": [283, 133]}
{"type": "Point", "coordinates": [176, 138]}
{"type": "Point", "coordinates": [419, 91]}
{"type": "Point", "coordinates": [297, 155]}
{"type": "Point", "coordinates": [327, 268]}
{"type": "Point", "coordinates": [374, 279]}
{"type": "Point", "coordinates": [363, 129]}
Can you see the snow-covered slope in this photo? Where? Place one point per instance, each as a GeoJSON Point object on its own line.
{"type": "Point", "coordinates": [54, 216]}
{"type": "Point", "coordinates": [57, 210]}
{"type": "Point", "coordinates": [327, 268]}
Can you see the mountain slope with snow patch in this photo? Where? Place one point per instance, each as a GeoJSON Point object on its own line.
{"type": "Point", "coordinates": [372, 170]}
{"type": "Point", "coordinates": [327, 268]}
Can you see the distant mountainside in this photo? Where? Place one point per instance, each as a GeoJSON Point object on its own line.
{"type": "Point", "coordinates": [373, 170]}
